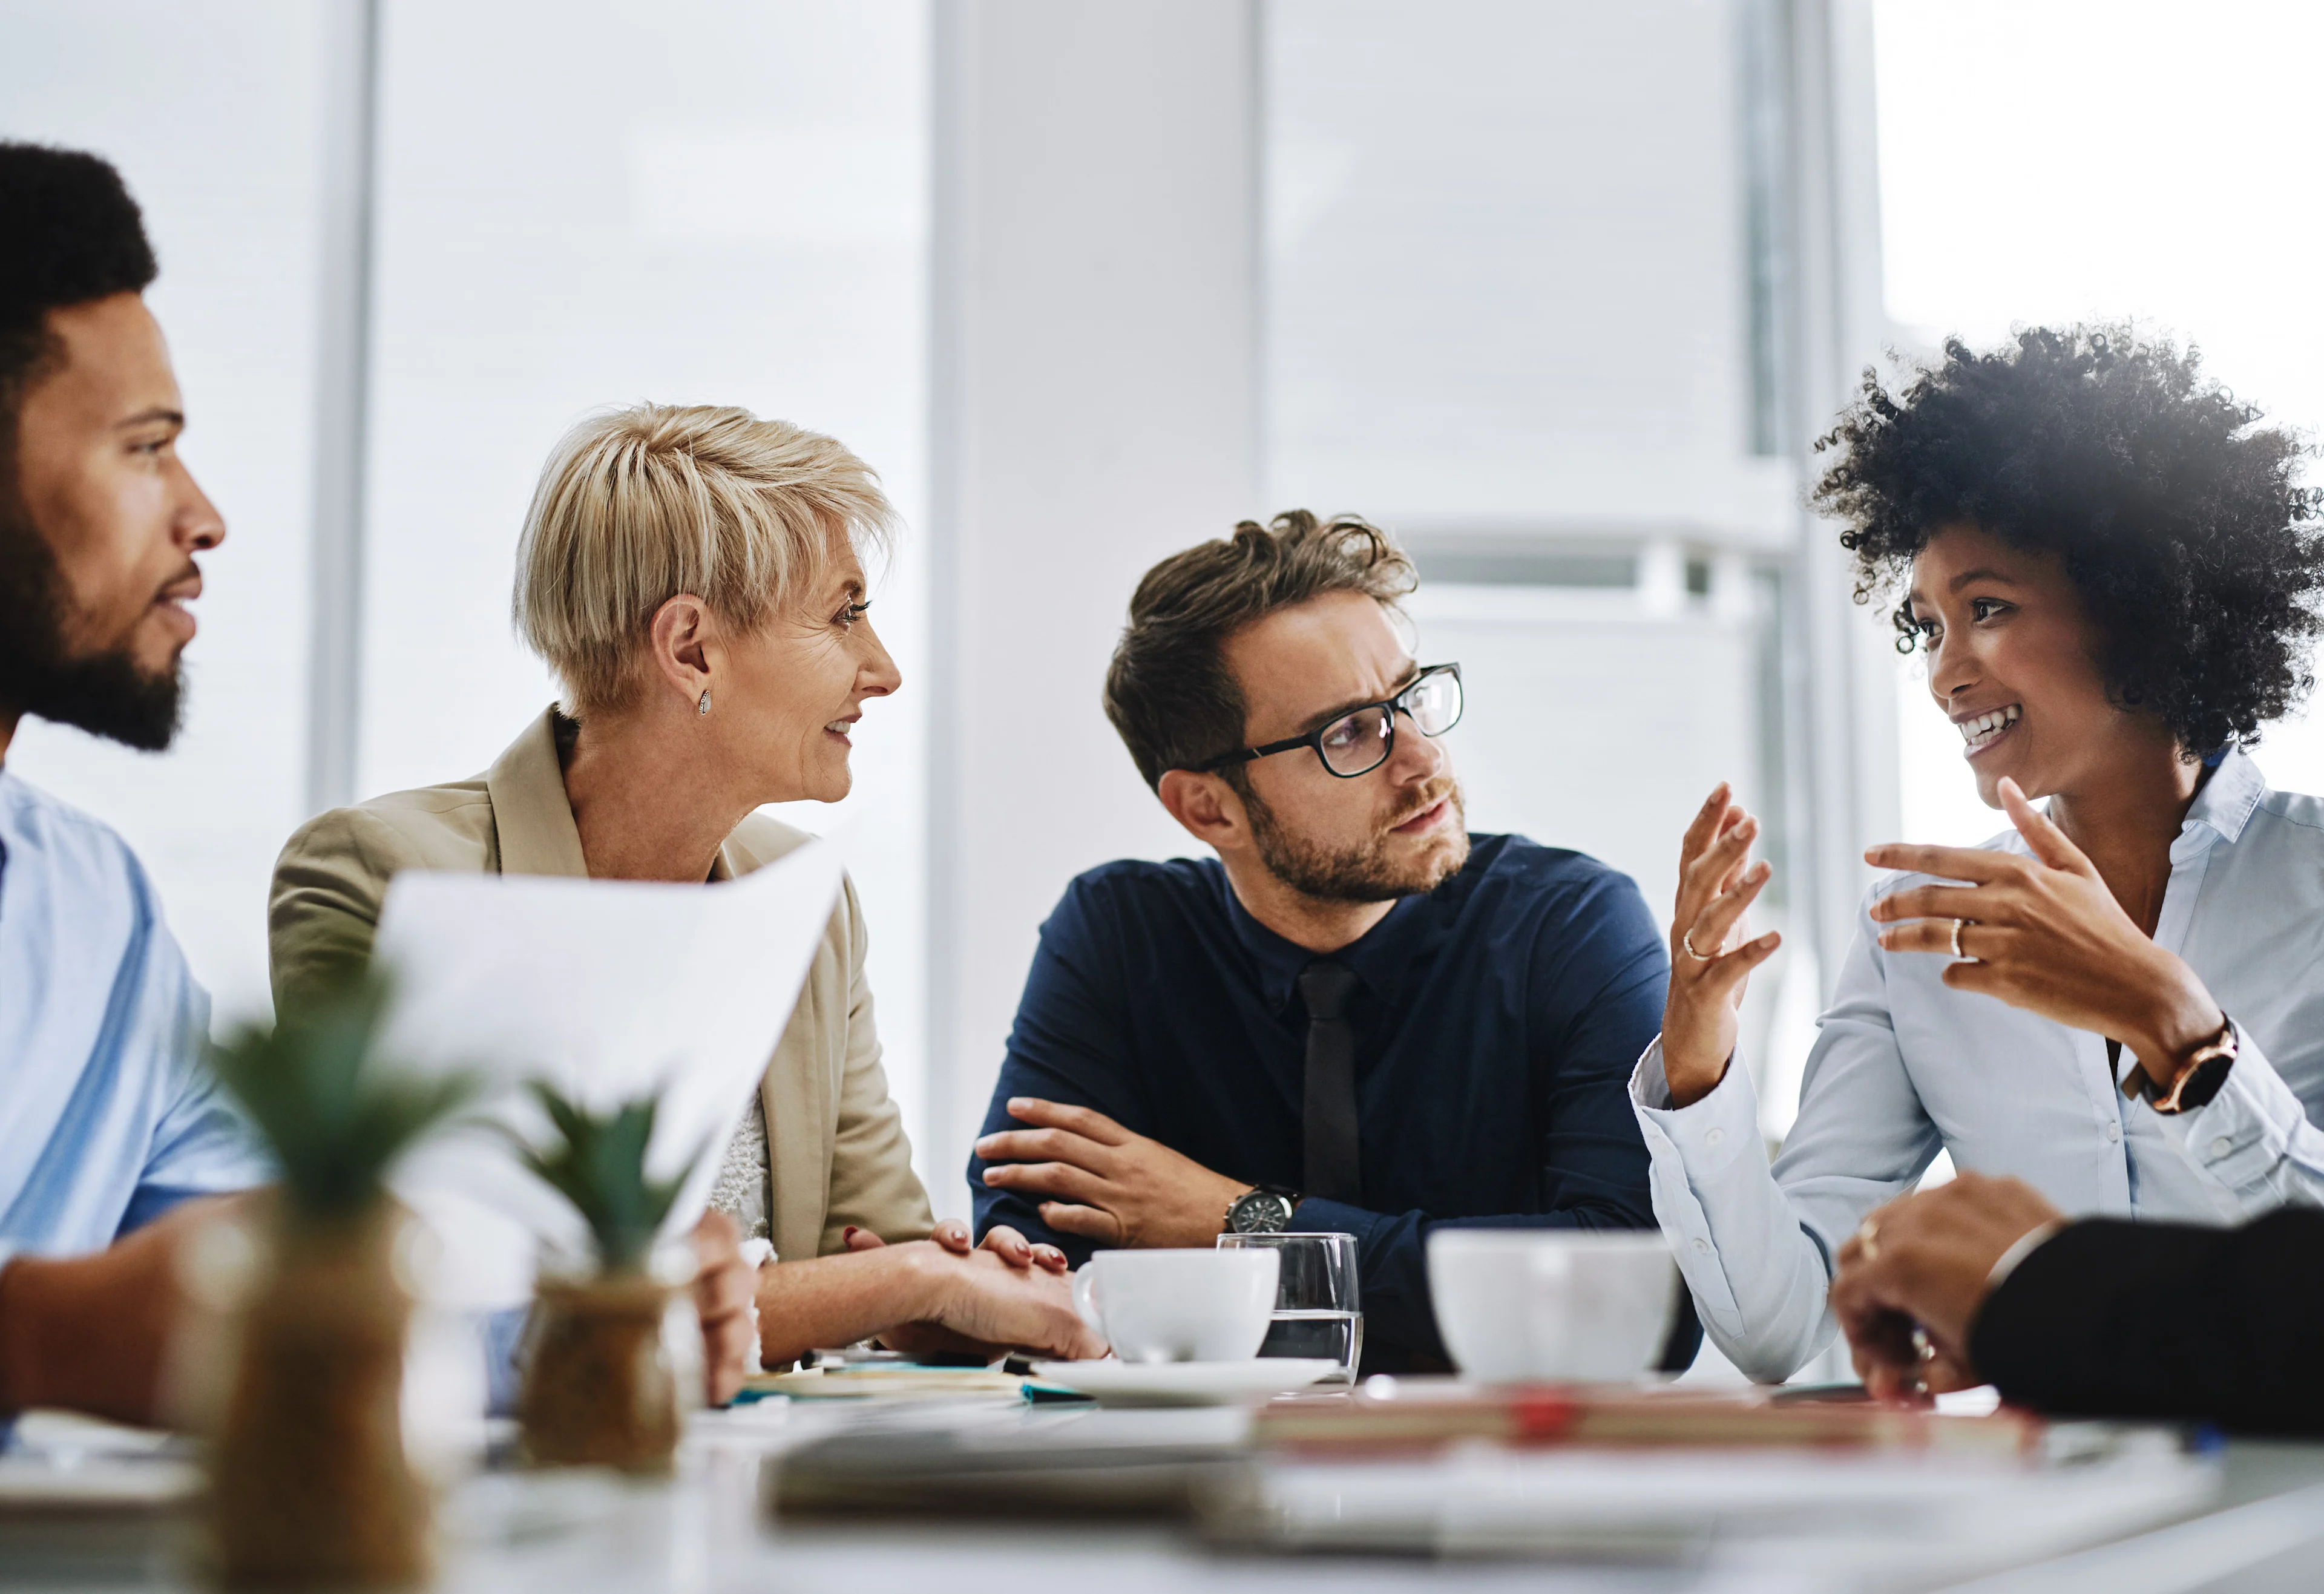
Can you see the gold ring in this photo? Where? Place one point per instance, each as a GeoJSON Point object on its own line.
{"type": "Point", "coordinates": [1868, 1238]}
{"type": "Point", "coordinates": [1686, 939]}
{"type": "Point", "coordinates": [1958, 953]}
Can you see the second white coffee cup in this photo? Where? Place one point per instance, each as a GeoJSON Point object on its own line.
{"type": "Point", "coordinates": [1179, 1305]}
{"type": "Point", "coordinates": [1555, 1305]}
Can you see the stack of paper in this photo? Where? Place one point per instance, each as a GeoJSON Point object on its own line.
{"type": "Point", "coordinates": [1863, 1521]}
{"type": "Point", "coordinates": [1388, 1414]}
{"type": "Point", "coordinates": [608, 990]}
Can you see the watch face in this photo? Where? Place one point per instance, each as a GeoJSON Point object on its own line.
{"type": "Point", "coordinates": [2203, 1081]}
{"type": "Point", "coordinates": [1262, 1212]}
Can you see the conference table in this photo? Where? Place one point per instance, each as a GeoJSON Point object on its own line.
{"type": "Point", "coordinates": [2256, 1523]}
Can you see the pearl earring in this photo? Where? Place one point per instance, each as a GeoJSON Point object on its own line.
{"type": "Point", "coordinates": [704, 706]}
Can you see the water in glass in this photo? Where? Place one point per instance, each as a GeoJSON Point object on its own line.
{"type": "Point", "coordinates": [1318, 1308]}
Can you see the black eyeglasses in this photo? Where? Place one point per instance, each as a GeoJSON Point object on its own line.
{"type": "Point", "coordinates": [1360, 740]}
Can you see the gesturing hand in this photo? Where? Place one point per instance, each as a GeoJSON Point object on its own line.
{"type": "Point", "coordinates": [2045, 934]}
{"type": "Point", "coordinates": [1708, 974]}
{"type": "Point", "coordinates": [1926, 1262]}
{"type": "Point", "coordinates": [1116, 1187]}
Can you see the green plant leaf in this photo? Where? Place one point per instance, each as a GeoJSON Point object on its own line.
{"type": "Point", "coordinates": [597, 1161]}
{"type": "Point", "coordinates": [337, 1121]}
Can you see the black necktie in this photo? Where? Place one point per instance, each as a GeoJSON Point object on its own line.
{"type": "Point", "coordinates": [1334, 1169]}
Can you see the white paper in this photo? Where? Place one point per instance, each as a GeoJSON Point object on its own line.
{"type": "Point", "coordinates": [606, 989]}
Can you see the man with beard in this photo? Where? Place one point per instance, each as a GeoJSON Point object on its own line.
{"type": "Point", "coordinates": [1359, 1019]}
{"type": "Point", "coordinates": [110, 1122]}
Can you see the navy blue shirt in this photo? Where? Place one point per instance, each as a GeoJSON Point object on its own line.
{"type": "Point", "coordinates": [1497, 1022]}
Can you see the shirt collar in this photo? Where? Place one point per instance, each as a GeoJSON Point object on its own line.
{"type": "Point", "coordinates": [1379, 957]}
{"type": "Point", "coordinates": [2224, 805]}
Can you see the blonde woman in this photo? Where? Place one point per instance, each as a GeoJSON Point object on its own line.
{"type": "Point", "coordinates": [694, 576]}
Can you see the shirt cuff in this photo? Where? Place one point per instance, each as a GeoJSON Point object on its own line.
{"type": "Point", "coordinates": [2243, 1136]}
{"type": "Point", "coordinates": [1710, 1134]}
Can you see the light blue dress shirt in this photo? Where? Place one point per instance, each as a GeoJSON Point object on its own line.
{"type": "Point", "coordinates": [107, 1116]}
{"type": "Point", "coordinates": [1904, 1065]}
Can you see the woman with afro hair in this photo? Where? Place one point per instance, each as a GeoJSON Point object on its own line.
{"type": "Point", "coordinates": [2113, 575]}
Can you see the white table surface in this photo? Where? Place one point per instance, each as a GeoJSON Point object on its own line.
{"type": "Point", "coordinates": [707, 1533]}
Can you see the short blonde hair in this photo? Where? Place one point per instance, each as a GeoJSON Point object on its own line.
{"type": "Point", "coordinates": [637, 505]}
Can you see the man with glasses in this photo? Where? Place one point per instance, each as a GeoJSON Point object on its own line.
{"type": "Point", "coordinates": [1357, 1018]}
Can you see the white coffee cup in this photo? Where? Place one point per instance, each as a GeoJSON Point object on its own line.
{"type": "Point", "coordinates": [1552, 1306]}
{"type": "Point", "coordinates": [1179, 1305]}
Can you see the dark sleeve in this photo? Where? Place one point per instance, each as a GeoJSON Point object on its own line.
{"type": "Point", "coordinates": [1597, 986]}
{"type": "Point", "coordinates": [1595, 983]}
{"type": "Point", "coordinates": [1069, 1043]}
{"type": "Point", "coordinates": [2109, 1318]}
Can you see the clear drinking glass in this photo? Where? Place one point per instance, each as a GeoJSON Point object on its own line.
{"type": "Point", "coordinates": [1318, 1309]}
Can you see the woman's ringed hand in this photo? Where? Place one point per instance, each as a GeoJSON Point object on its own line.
{"type": "Point", "coordinates": [1709, 964]}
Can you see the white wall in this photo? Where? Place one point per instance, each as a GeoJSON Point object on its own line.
{"type": "Point", "coordinates": [579, 204]}
{"type": "Point", "coordinates": [214, 116]}
{"type": "Point", "coordinates": [1506, 276]}
{"type": "Point", "coordinates": [1095, 410]}
{"type": "Point", "coordinates": [584, 203]}
{"type": "Point", "coordinates": [2157, 174]}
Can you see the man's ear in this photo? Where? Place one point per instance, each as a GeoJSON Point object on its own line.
{"type": "Point", "coordinates": [1211, 810]}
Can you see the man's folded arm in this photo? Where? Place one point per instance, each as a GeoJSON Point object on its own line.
{"type": "Point", "coordinates": [1068, 1044]}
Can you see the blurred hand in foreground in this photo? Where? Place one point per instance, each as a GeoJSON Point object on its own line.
{"type": "Point", "coordinates": [1711, 959]}
{"type": "Point", "coordinates": [724, 1283]}
{"type": "Point", "coordinates": [92, 1333]}
{"type": "Point", "coordinates": [1913, 1275]}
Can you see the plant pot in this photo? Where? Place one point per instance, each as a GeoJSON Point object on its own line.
{"type": "Point", "coordinates": [309, 1482]}
{"type": "Point", "coordinates": [599, 1387]}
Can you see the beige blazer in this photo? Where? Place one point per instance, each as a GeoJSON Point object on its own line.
{"type": "Point", "coordinates": [835, 1146]}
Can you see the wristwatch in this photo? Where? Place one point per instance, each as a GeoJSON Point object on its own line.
{"type": "Point", "coordinates": [2197, 1081]}
{"type": "Point", "coordinates": [1265, 1209]}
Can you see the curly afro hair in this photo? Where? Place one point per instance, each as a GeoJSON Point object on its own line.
{"type": "Point", "coordinates": [70, 232]}
{"type": "Point", "coordinates": [2178, 519]}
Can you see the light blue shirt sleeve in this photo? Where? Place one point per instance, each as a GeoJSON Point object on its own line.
{"type": "Point", "coordinates": [1756, 1242]}
{"type": "Point", "coordinates": [2255, 1138]}
{"type": "Point", "coordinates": [112, 1116]}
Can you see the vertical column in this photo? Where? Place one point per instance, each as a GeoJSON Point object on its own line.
{"type": "Point", "coordinates": [342, 401]}
{"type": "Point", "coordinates": [1094, 398]}
{"type": "Point", "coordinates": [1839, 669]}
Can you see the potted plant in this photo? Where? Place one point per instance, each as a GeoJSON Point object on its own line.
{"type": "Point", "coordinates": [308, 1480]}
{"type": "Point", "coordinates": [599, 1389]}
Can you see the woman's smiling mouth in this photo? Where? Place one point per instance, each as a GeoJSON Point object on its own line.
{"type": "Point", "coordinates": [1980, 731]}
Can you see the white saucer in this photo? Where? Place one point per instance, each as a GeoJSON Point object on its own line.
{"type": "Point", "coordinates": [1185, 1383]}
